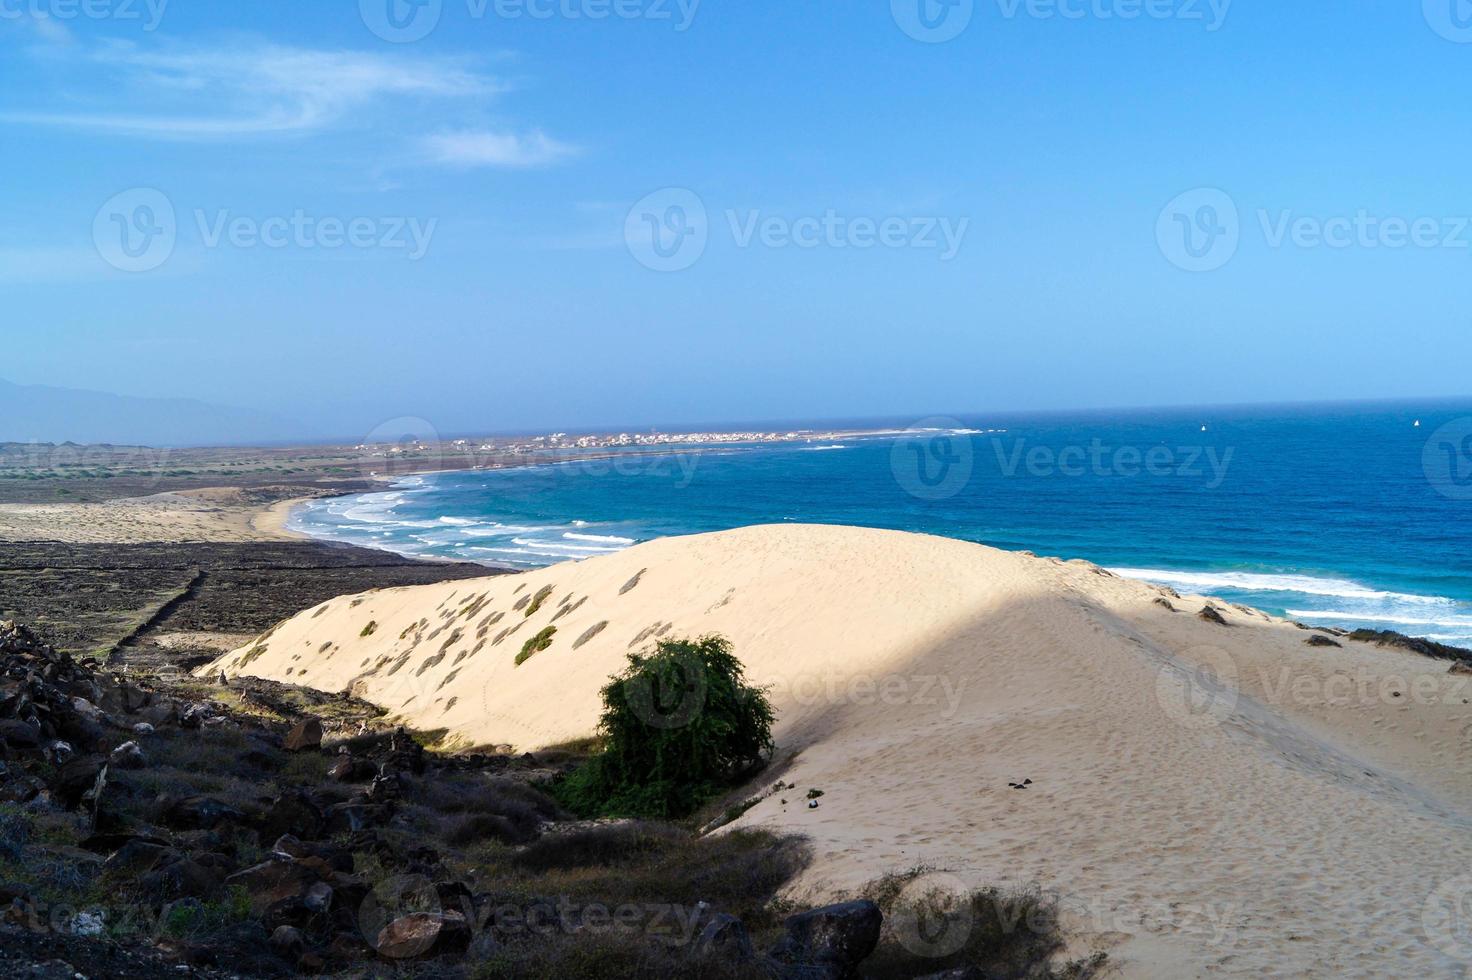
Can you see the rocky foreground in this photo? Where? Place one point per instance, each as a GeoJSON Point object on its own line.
{"type": "Point", "coordinates": [158, 826]}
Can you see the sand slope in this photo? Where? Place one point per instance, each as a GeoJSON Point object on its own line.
{"type": "Point", "coordinates": [1285, 814]}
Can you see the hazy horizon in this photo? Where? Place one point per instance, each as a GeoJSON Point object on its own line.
{"type": "Point", "coordinates": [56, 418]}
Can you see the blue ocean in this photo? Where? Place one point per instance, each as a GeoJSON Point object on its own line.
{"type": "Point", "coordinates": [1358, 516]}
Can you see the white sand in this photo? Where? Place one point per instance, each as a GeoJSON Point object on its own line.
{"type": "Point", "coordinates": [183, 517]}
{"type": "Point", "coordinates": [1292, 824]}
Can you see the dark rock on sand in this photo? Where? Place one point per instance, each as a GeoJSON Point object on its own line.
{"type": "Point", "coordinates": [1212, 615]}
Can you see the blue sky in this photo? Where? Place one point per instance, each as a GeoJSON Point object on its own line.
{"type": "Point", "coordinates": [850, 221]}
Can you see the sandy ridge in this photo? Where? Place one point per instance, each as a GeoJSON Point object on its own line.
{"type": "Point", "coordinates": [1289, 811]}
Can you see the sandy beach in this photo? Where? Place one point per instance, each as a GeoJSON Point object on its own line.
{"type": "Point", "coordinates": [1208, 797]}
{"type": "Point", "coordinates": [181, 517]}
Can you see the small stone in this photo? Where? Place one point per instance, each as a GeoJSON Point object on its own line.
{"type": "Point", "coordinates": [143, 728]}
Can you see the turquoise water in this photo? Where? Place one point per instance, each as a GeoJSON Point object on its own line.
{"type": "Point", "coordinates": [1349, 516]}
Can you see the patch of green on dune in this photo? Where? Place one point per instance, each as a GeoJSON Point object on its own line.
{"type": "Point", "coordinates": [536, 645]}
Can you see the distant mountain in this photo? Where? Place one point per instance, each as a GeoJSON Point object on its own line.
{"type": "Point", "coordinates": [37, 413]}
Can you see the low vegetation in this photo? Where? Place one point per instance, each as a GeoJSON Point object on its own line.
{"type": "Point", "coordinates": [541, 641]}
{"type": "Point", "coordinates": [986, 932]}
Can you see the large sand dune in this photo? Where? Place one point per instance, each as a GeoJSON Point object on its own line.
{"type": "Point", "coordinates": [1289, 812]}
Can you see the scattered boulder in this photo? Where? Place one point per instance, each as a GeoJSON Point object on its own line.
{"type": "Point", "coordinates": [200, 813]}
{"type": "Point", "coordinates": [725, 936]}
{"type": "Point", "coordinates": [127, 756]}
{"type": "Point", "coordinates": [270, 883]}
{"type": "Point", "coordinates": [306, 736]}
{"type": "Point", "coordinates": [138, 856]}
{"type": "Point", "coordinates": [347, 818]}
{"type": "Point", "coordinates": [77, 779]}
{"type": "Point", "coordinates": [829, 942]}
{"type": "Point", "coordinates": [421, 934]}
{"type": "Point", "coordinates": [292, 813]}
{"type": "Point", "coordinates": [350, 770]}
{"type": "Point", "coordinates": [288, 943]}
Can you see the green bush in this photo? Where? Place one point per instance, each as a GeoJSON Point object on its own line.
{"type": "Point", "coordinates": [536, 645]}
{"type": "Point", "coordinates": [680, 726]}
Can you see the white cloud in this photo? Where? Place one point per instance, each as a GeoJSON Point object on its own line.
{"type": "Point", "coordinates": [481, 148]}
{"type": "Point", "coordinates": [258, 89]}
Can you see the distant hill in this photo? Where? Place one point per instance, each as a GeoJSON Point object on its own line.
{"type": "Point", "coordinates": [37, 413]}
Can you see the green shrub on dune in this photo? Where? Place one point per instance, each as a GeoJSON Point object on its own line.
{"type": "Point", "coordinates": [679, 727]}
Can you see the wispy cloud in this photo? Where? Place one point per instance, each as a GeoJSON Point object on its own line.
{"type": "Point", "coordinates": [257, 89]}
{"type": "Point", "coordinates": [482, 148]}
{"type": "Point", "coordinates": [46, 29]}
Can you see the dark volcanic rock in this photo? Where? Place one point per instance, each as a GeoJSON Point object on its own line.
{"type": "Point", "coordinates": [348, 818]}
{"type": "Point", "coordinates": [422, 933]}
{"type": "Point", "coordinates": [274, 882]}
{"type": "Point", "coordinates": [725, 936]}
{"type": "Point", "coordinates": [1319, 640]}
{"type": "Point", "coordinates": [200, 813]}
{"type": "Point", "coordinates": [306, 736]}
{"type": "Point", "coordinates": [1212, 615]}
{"type": "Point", "coordinates": [1426, 648]}
{"type": "Point", "coordinates": [829, 942]}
